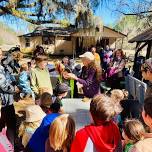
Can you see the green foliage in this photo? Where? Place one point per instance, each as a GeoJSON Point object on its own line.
{"type": "Point", "coordinates": [126, 21]}
{"type": "Point", "coordinates": [65, 23]}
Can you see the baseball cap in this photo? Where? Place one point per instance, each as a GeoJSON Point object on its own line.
{"type": "Point", "coordinates": [87, 55]}
{"type": "Point", "coordinates": [62, 88]}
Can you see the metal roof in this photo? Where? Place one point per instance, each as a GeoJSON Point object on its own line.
{"type": "Point", "coordinates": [143, 37]}
{"type": "Point", "coordinates": [53, 31]}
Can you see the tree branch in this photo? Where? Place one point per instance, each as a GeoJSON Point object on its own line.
{"type": "Point", "coordinates": [144, 12]}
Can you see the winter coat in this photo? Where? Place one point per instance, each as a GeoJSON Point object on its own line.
{"type": "Point", "coordinates": [6, 88]}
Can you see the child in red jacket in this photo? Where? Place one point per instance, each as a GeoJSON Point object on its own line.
{"type": "Point", "coordinates": [103, 135]}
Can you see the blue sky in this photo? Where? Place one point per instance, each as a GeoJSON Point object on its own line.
{"type": "Point", "coordinates": [108, 17]}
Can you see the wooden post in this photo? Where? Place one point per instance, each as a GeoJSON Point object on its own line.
{"type": "Point", "coordinates": [115, 43]}
{"type": "Point", "coordinates": [148, 49]}
{"type": "Point", "coordinates": [55, 43]}
{"type": "Point", "coordinates": [138, 48]}
{"type": "Point", "coordinates": [122, 43]}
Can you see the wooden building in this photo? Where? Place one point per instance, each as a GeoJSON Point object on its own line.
{"type": "Point", "coordinates": [68, 41]}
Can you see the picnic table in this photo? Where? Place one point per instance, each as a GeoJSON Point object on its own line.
{"type": "Point", "coordinates": [78, 110]}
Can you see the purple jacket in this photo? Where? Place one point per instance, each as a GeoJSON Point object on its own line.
{"type": "Point", "coordinates": [91, 86]}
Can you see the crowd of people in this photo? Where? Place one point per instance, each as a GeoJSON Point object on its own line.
{"type": "Point", "coordinates": [117, 123]}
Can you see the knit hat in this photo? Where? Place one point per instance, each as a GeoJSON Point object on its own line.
{"type": "Point", "coordinates": [34, 113]}
{"type": "Point", "coordinates": [62, 88]}
{"type": "Point", "coordinates": [87, 55]}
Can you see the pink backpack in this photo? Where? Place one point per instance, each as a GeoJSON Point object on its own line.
{"type": "Point", "coordinates": [5, 145]}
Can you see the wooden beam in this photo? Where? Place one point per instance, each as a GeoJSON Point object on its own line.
{"type": "Point", "coordinates": [122, 43]}
{"type": "Point", "coordinates": [149, 49]}
{"type": "Point", "coordinates": [138, 48]}
{"type": "Point", "coordinates": [142, 46]}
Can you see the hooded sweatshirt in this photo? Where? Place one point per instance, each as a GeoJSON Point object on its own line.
{"type": "Point", "coordinates": [103, 138]}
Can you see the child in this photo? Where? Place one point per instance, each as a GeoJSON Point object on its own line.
{"type": "Point", "coordinates": [132, 133]}
{"type": "Point", "coordinates": [66, 132]}
{"type": "Point", "coordinates": [37, 141]}
{"type": "Point", "coordinates": [117, 95]}
{"type": "Point", "coordinates": [64, 79]}
{"type": "Point", "coordinates": [103, 134]}
{"type": "Point", "coordinates": [145, 144]}
{"type": "Point", "coordinates": [61, 91]}
{"type": "Point", "coordinates": [24, 83]}
{"type": "Point", "coordinates": [45, 102]}
{"type": "Point", "coordinates": [40, 77]}
{"type": "Point", "coordinates": [34, 116]}
{"type": "Point", "coordinates": [131, 107]}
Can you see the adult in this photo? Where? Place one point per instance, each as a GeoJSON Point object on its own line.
{"type": "Point", "coordinates": [103, 134]}
{"type": "Point", "coordinates": [96, 55]}
{"type": "Point", "coordinates": [144, 145]}
{"type": "Point", "coordinates": [107, 57]}
{"type": "Point", "coordinates": [115, 72]}
{"type": "Point", "coordinates": [40, 77]}
{"type": "Point", "coordinates": [11, 62]}
{"type": "Point", "coordinates": [90, 75]}
{"type": "Point", "coordinates": [146, 70]}
{"type": "Point", "coordinates": [7, 90]}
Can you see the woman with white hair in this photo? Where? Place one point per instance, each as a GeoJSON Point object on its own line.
{"type": "Point", "coordinates": [90, 75]}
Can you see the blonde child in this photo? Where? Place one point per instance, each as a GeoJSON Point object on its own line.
{"type": "Point", "coordinates": [132, 133]}
{"type": "Point", "coordinates": [63, 127]}
{"type": "Point", "coordinates": [117, 96]}
{"type": "Point", "coordinates": [34, 116]}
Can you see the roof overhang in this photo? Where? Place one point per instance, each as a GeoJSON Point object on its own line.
{"type": "Point", "coordinates": [143, 37]}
